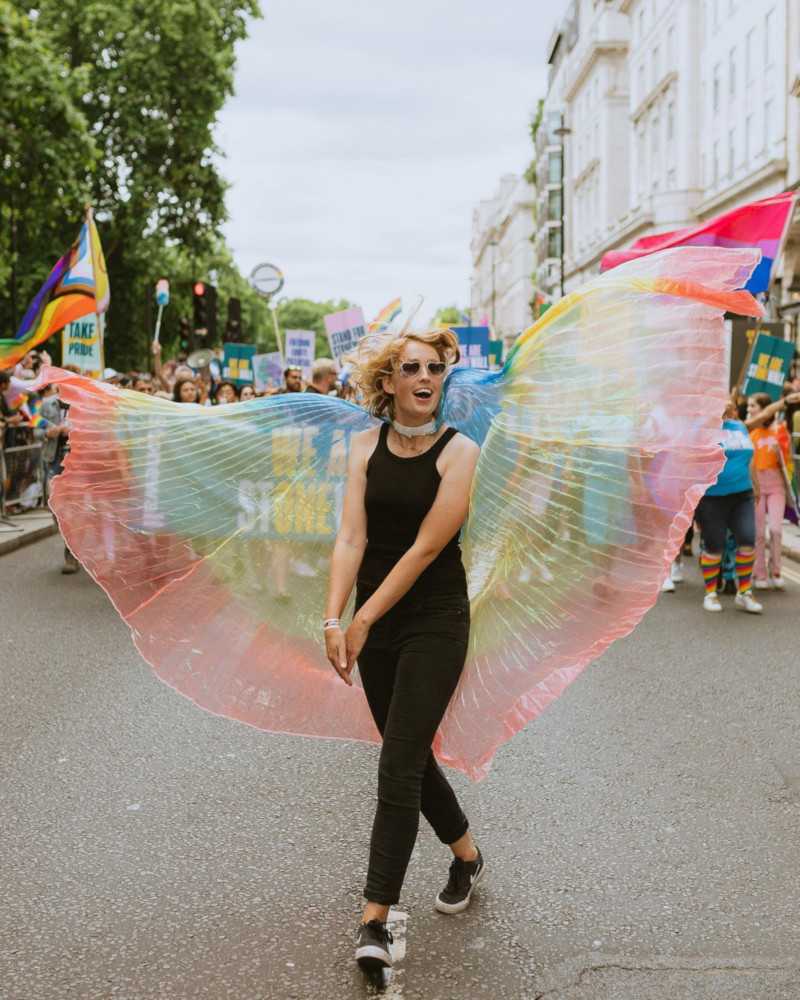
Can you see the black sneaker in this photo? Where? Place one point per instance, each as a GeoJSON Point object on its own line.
{"type": "Point", "coordinates": [464, 876]}
{"type": "Point", "coordinates": [372, 946]}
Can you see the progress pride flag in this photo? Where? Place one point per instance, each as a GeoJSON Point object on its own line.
{"type": "Point", "coordinates": [761, 224]}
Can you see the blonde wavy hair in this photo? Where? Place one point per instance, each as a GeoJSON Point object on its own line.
{"type": "Point", "coordinates": [377, 357]}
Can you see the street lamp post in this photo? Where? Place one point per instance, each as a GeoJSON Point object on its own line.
{"type": "Point", "coordinates": [562, 132]}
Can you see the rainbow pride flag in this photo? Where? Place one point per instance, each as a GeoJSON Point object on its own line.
{"type": "Point", "coordinates": [762, 224]}
{"type": "Point", "coordinates": [77, 286]}
{"type": "Point", "coordinates": [386, 316]}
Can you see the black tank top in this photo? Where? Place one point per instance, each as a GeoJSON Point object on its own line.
{"type": "Point", "coordinates": [399, 493]}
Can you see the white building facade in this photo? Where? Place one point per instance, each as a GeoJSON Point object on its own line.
{"type": "Point", "coordinates": [503, 259]}
{"type": "Point", "coordinates": [673, 111]}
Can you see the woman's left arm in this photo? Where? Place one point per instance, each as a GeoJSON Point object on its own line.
{"type": "Point", "coordinates": [442, 522]}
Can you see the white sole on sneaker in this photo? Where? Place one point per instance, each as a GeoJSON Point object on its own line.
{"type": "Point", "coordinates": [443, 907]}
{"type": "Point", "coordinates": [372, 958]}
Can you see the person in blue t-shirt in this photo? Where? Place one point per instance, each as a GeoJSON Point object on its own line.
{"type": "Point", "coordinates": [729, 505]}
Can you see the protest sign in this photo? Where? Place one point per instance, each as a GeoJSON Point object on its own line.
{"type": "Point", "coordinates": [495, 353]}
{"type": "Point", "coordinates": [474, 344]}
{"type": "Point", "coordinates": [344, 330]}
{"type": "Point", "coordinates": [82, 345]}
{"type": "Point", "coordinates": [300, 348]}
{"type": "Point", "coordinates": [268, 371]}
{"type": "Point", "coordinates": [769, 365]}
{"type": "Point", "coordinates": [237, 364]}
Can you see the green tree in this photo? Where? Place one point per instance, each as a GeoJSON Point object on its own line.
{"type": "Point", "coordinates": [155, 75]}
{"type": "Point", "coordinates": [451, 315]}
{"type": "Point", "coordinates": [46, 155]}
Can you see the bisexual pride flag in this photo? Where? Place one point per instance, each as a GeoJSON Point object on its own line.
{"type": "Point", "coordinates": [77, 286]}
{"type": "Point", "coordinates": [762, 224]}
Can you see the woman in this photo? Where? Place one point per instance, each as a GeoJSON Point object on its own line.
{"type": "Point", "coordinates": [185, 391]}
{"type": "Point", "coordinates": [728, 505]}
{"type": "Point", "coordinates": [407, 496]}
{"type": "Point", "coordinates": [247, 392]}
{"type": "Point", "coordinates": [226, 393]}
{"type": "Point", "coordinates": [772, 446]}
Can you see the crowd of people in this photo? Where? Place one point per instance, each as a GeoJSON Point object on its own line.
{"type": "Point", "coordinates": [740, 519]}
{"type": "Point", "coordinates": [742, 514]}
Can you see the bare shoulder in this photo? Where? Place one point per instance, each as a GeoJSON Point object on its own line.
{"type": "Point", "coordinates": [460, 452]}
{"type": "Point", "coordinates": [362, 445]}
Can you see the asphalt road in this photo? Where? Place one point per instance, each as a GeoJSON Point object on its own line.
{"type": "Point", "coordinates": [641, 837]}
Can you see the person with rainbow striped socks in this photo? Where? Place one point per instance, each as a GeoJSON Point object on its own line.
{"type": "Point", "coordinates": [730, 505]}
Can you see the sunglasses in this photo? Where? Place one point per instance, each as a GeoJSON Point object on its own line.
{"type": "Point", "coordinates": [411, 368]}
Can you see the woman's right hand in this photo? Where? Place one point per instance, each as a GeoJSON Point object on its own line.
{"type": "Point", "coordinates": [336, 651]}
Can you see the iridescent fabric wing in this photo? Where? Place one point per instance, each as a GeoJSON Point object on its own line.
{"type": "Point", "coordinates": [598, 439]}
{"type": "Point", "coordinates": [211, 531]}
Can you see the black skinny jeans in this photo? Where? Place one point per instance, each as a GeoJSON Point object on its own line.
{"type": "Point", "coordinates": [410, 666]}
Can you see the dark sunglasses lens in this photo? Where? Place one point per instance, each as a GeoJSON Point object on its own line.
{"type": "Point", "coordinates": [436, 367]}
{"type": "Point", "coordinates": [409, 367]}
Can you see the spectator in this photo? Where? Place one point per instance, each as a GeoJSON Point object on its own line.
{"type": "Point", "coordinates": [292, 380]}
{"type": "Point", "coordinates": [772, 453]}
{"type": "Point", "coordinates": [323, 376]}
{"type": "Point", "coordinates": [248, 392]}
{"type": "Point", "coordinates": [185, 391]}
{"type": "Point", "coordinates": [144, 383]}
{"type": "Point", "coordinates": [226, 392]}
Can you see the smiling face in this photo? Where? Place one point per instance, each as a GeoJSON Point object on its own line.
{"type": "Point", "coordinates": [248, 392]}
{"type": "Point", "coordinates": [416, 394]}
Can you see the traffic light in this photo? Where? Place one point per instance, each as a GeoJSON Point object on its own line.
{"type": "Point", "coordinates": [204, 298]}
{"type": "Point", "coordinates": [185, 337]}
{"type": "Point", "coordinates": [200, 308]}
{"type": "Point", "coordinates": [233, 325]}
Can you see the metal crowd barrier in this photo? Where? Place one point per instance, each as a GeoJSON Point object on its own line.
{"type": "Point", "coordinates": [21, 467]}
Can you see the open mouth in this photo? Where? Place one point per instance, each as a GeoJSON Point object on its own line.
{"type": "Point", "coordinates": [423, 393]}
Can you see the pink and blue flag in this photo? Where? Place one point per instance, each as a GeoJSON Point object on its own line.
{"type": "Point", "coordinates": [762, 224]}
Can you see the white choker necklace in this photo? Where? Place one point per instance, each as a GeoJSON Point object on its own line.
{"type": "Point", "coordinates": [412, 432]}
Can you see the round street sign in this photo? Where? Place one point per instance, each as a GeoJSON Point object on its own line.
{"type": "Point", "coordinates": [267, 279]}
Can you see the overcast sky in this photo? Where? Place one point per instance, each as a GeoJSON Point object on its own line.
{"type": "Point", "coordinates": [363, 133]}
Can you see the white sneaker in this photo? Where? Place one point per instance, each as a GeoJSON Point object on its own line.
{"type": "Point", "coordinates": [747, 602]}
{"type": "Point", "coordinates": [676, 572]}
{"type": "Point", "coordinates": [711, 603]}
{"type": "Point", "coordinates": [668, 587]}
{"type": "Point", "coordinates": [778, 583]}
{"type": "Point", "coordinates": [760, 585]}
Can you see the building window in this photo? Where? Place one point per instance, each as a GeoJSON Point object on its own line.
{"type": "Point", "coordinates": [715, 175]}
{"type": "Point", "coordinates": [715, 90]}
{"type": "Point", "coordinates": [769, 27]}
{"type": "Point", "coordinates": [672, 179]}
{"type": "Point", "coordinates": [767, 124]}
{"type": "Point", "coordinates": [715, 13]}
{"type": "Point", "coordinates": [656, 65]}
{"type": "Point", "coordinates": [671, 47]}
{"type": "Point", "coordinates": [554, 168]}
{"type": "Point", "coordinates": [748, 138]}
{"type": "Point", "coordinates": [554, 243]}
{"type": "Point", "coordinates": [641, 23]}
{"type": "Point", "coordinates": [732, 73]}
{"type": "Point", "coordinates": [554, 205]}
{"type": "Point", "coordinates": [642, 164]}
{"type": "Point", "coordinates": [655, 169]}
{"type": "Point", "coordinates": [731, 151]}
{"type": "Point", "coordinates": [670, 121]}
{"type": "Point", "coordinates": [749, 55]}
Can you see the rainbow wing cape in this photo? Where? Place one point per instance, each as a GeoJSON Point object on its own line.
{"type": "Point", "coordinates": [211, 529]}
{"type": "Point", "coordinates": [77, 286]}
